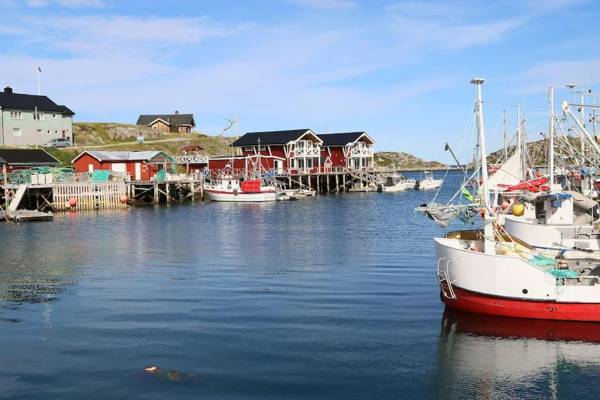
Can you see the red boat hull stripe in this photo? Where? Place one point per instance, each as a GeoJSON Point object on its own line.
{"type": "Point", "coordinates": [506, 307]}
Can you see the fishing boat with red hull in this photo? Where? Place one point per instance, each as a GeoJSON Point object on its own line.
{"type": "Point", "coordinates": [234, 190]}
{"type": "Point", "coordinates": [490, 272]}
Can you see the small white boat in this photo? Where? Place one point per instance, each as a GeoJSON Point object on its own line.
{"type": "Point", "coordinates": [397, 183]}
{"type": "Point", "coordinates": [233, 190]}
{"type": "Point", "coordinates": [428, 183]}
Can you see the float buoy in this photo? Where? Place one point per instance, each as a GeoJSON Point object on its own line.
{"type": "Point", "coordinates": [518, 209]}
{"type": "Point", "coordinates": [123, 199]}
{"type": "Point", "coordinates": [72, 201]}
{"type": "Point", "coordinates": [505, 204]}
{"type": "Point", "coordinates": [67, 205]}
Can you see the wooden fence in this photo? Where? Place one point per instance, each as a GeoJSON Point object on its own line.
{"type": "Point", "coordinates": [89, 195]}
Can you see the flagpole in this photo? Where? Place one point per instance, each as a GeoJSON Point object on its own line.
{"type": "Point", "coordinates": [38, 80]}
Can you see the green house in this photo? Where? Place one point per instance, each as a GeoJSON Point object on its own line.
{"type": "Point", "coordinates": [29, 120]}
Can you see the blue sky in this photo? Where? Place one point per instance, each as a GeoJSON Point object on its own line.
{"type": "Point", "coordinates": [397, 69]}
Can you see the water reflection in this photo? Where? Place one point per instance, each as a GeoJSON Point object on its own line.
{"type": "Point", "coordinates": [505, 358]}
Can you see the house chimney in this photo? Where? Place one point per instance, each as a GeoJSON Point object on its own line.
{"type": "Point", "coordinates": [8, 90]}
{"type": "Point", "coordinates": [176, 112]}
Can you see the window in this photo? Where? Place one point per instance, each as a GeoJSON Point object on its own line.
{"type": "Point", "coordinates": [16, 115]}
{"type": "Point", "coordinates": [17, 132]}
{"type": "Point", "coordinates": [39, 116]}
{"type": "Point", "coordinates": [39, 131]}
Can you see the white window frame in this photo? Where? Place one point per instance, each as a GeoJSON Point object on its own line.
{"type": "Point", "coordinates": [17, 132]}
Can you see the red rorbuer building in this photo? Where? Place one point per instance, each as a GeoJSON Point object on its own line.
{"type": "Point", "coordinates": [139, 165]}
{"type": "Point", "coordinates": [353, 150]}
{"type": "Point", "coordinates": [298, 151]}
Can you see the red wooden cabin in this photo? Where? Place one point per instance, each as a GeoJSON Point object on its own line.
{"type": "Point", "coordinates": [139, 165]}
{"type": "Point", "coordinates": [353, 150]}
{"type": "Point", "coordinates": [297, 150]}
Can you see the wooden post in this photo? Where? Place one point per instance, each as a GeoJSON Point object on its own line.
{"type": "Point", "coordinates": [318, 183]}
{"type": "Point", "coordinates": [156, 193]}
{"type": "Point", "coordinates": [5, 185]}
{"type": "Point", "coordinates": [327, 183]}
{"type": "Point", "coordinates": [337, 184]}
{"type": "Point", "coordinates": [193, 187]}
{"type": "Point", "coordinates": [344, 182]}
{"type": "Point", "coordinates": [168, 190]}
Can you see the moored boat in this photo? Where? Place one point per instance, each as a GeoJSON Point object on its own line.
{"type": "Point", "coordinates": [490, 272]}
{"type": "Point", "coordinates": [397, 183]}
{"type": "Point", "coordinates": [234, 190]}
{"type": "Point", "coordinates": [428, 182]}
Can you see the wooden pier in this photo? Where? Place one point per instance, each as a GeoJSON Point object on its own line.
{"type": "Point", "coordinates": [335, 181]}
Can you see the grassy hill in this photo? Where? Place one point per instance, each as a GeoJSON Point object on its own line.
{"type": "Point", "coordinates": [404, 161]}
{"type": "Point", "coordinates": [111, 136]}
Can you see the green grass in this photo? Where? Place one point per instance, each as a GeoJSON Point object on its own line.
{"type": "Point", "coordinates": [112, 136]}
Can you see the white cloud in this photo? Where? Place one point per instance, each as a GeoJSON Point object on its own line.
{"type": "Point", "coordinates": [327, 4]}
{"type": "Point", "coordinates": [557, 73]}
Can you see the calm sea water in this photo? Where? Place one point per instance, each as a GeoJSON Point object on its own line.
{"type": "Point", "coordinates": [326, 298]}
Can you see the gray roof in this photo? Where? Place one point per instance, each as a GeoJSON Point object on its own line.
{"type": "Point", "coordinates": [26, 157]}
{"type": "Point", "coordinates": [171, 119]}
{"type": "Point", "coordinates": [123, 155]}
{"type": "Point", "coordinates": [19, 101]}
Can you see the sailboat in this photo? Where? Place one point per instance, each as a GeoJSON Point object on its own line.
{"type": "Point", "coordinates": [490, 272]}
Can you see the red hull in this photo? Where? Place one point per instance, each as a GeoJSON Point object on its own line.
{"type": "Point", "coordinates": [504, 307]}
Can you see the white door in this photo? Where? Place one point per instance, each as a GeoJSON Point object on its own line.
{"type": "Point", "coordinates": [279, 165]}
{"type": "Point", "coordinates": [119, 167]}
{"type": "Point", "coordinates": [138, 171]}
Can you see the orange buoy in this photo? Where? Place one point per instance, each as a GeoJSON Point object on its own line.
{"type": "Point", "coordinates": [72, 201]}
{"type": "Point", "coordinates": [123, 199]}
{"type": "Point", "coordinates": [505, 204]}
{"type": "Point", "coordinates": [67, 205]}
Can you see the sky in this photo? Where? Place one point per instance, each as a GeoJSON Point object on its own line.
{"type": "Point", "coordinates": [399, 70]}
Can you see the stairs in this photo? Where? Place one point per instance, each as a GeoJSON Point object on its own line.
{"type": "Point", "coordinates": [16, 200]}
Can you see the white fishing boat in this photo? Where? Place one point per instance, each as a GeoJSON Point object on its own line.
{"type": "Point", "coordinates": [563, 221]}
{"type": "Point", "coordinates": [234, 190]}
{"type": "Point", "coordinates": [428, 182]}
{"type": "Point", "coordinates": [397, 183]}
{"type": "Point", "coordinates": [489, 272]}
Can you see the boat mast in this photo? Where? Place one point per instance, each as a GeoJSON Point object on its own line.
{"type": "Point", "coordinates": [481, 138]}
{"type": "Point", "coordinates": [258, 160]}
{"type": "Point", "coordinates": [488, 229]}
{"type": "Point", "coordinates": [551, 139]}
{"type": "Point", "coordinates": [520, 146]}
{"type": "Point", "coordinates": [505, 137]}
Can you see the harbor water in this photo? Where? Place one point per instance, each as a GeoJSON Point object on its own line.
{"type": "Point", "coordinates": [333, 297]}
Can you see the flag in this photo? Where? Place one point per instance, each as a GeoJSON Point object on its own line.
{"type": "Point", "coordinates": [39, 69]}
{"type": "Point", "coordinates": [466, 193]}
